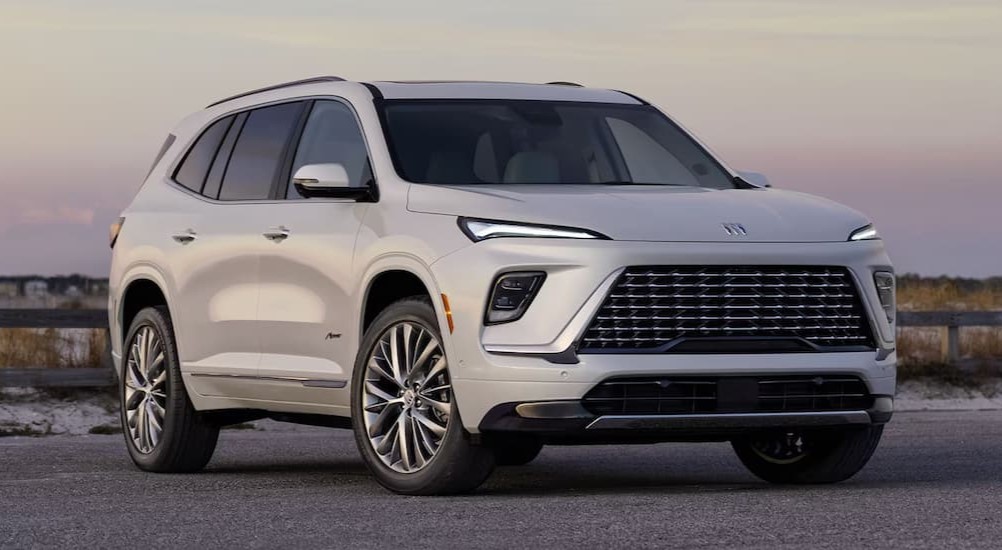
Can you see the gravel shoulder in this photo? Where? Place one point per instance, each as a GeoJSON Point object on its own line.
{"type": "Point", "coordinates": [78, 412]}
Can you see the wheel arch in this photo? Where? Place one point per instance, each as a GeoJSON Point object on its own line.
{"type": "Point", "coordinates": [144, 286]}
{"type": "Point", "coordinates": [391, 279]}
{"type": "Point", "coordinates": [139, 293]}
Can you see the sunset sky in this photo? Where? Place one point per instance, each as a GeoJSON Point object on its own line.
{"type": "Point", "coordinates": [893, 107]}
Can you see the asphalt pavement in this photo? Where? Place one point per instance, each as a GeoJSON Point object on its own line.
{"type": "Point", "coordinates": [934, 482]}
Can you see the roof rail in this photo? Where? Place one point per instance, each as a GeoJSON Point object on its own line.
{"type": "Point", "coordinates": [562, 83]}
{"type": "Point", "coordinates": [313, 80]}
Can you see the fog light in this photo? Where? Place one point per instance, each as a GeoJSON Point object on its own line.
{"type": "Point", "coordinates": [511, 296]}
{"type": "Point", "coordinates": [885, 291]}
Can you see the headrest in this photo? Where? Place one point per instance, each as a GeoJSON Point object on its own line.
{"type": "Point", "coordinates": [532, 167]}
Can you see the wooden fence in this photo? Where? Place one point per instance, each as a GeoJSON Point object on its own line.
{"type": "Point", "coordinates": [39, 376]}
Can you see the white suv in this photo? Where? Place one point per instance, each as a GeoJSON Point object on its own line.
{"type": "Point", "coordinates": [462, 272]}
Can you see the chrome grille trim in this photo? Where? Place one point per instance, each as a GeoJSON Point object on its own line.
{"type": "Point", "coordinates": [653, 307]}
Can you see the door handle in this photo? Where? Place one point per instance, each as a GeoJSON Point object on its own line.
{"type": "Point", "coordinates": [186, 237]}
{"type": "Point", "coordinates": [277, 234]}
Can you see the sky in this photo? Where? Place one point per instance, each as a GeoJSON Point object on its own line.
{"type": "Point", "coordinates": [893, 107]}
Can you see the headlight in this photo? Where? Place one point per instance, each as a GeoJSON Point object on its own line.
{"type": "Point", "coordinates": [478, 230]}
{"type": "Point", "coordinates": [885, 291]}
{"type": "Point", "coordinates": [512, 294]}
{"type": "Point", "coordinates": [865, 233]}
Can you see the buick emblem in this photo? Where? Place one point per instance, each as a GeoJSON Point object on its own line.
{"type": "Point", "coordinates": [734, 229]}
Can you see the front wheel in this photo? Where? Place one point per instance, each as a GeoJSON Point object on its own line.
{"type": "Point", "coordinates": [404, 412]}
{"type": "Point", "coordinates": [808, 457]}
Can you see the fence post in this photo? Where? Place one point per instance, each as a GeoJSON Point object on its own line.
{"type": "Point", "coordinates": [949, 344]}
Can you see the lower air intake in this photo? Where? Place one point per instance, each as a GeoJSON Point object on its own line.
{"type": "Point", "coordinates": [731, 394]}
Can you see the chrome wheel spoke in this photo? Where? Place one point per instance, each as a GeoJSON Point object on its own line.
{"type": "Point", "coordinates": [430, 424]}
{"type": "Point", "coordinates": [375, 391]}
{"type": "Point", "coordinates": [145, 391]}
{"type": "Point", "coordinates": [405, 336]}
{"type": "Point", "coordinates": [440, 406]}
{"type": "Point", "coordinates": [386, 417]}
{"type": "Point", "coordinates": [154, 425]}
{"type": "Point", "coordinates": [132, 382]}
{"type": "Point", "coordinates": [157, 372]}
{"type": "Point", "coordinates": [158, 409]}
{"type": "Point", "coordinates": [422, 436]}
{"type": "Point", "coordinates": [394, 357]}
{"type": "Point", "coordinates": [141, 426]}
{"type": "Point", "coordinates": [133, 401]}
{"type": "Point", "coordinates": [378, 407]}
{"type": "Point", "coordinates": [437, 368]}
{"type": "Point", "coordinates": [404, 415]}
{"type": "Point", "coordinates": [404, 443]}
{"type": "Point", "coordinates": [376, 367]}
{"type": "Point", "coordinates": [387, 443]}
{"type": "Point", "coordinates": [419, 451]}
{"type": "Point", "coordinates": [426, 353]}
{"type": "Point", "coordinates": [436, 389]}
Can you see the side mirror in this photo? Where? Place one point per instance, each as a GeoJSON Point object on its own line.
{"type": "Point", "coordinates": [754, 178]}
{"type": "Point", "coordinates": [327, 180]}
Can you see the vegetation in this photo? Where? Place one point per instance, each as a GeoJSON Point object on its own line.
{"type": "Point", "coordinates": [23, 347]}
{"type": "Point", "coordinates": [949, 293]}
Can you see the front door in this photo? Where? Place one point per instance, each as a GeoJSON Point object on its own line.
{"type": "Point", "coordinates": [306, 272]}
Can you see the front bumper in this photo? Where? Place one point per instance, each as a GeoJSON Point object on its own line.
{"type": "Point", "coordinates": [533, 359]}
{"type": "Point", "coordinates": [570, 422]}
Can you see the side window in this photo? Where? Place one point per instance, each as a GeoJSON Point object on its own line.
{"type": "Point", "coordinates": [257, 155]}
{"type": "Point", "coordinates": [195, 165]}
{"type": "Point", "coordinates": [332, 135]}
{"type": "Point", "coordinates": [215, 178]}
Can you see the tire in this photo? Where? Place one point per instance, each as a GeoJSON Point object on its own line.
{"type": "Point", "coordinates": [455, 464]}
{"type": "Point", "coordinates": [516, 450]}
{"type": "Point", "coordinates": [822, 456]}
{"type": "Point", "coordinates": [187, 439]}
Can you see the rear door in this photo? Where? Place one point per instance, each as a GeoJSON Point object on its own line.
{"type": "Point", "coordinates": [305, 306]}
{"type": "Point", "coordinates": [219, 251]}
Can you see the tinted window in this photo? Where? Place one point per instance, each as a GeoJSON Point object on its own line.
{"type": "Point", "coordinates": [544, 142]}
{"type": "Point", "coordinates": [195, 165]}
{"type": "Point", "coordinates": [215, 178]}
{"type": "Point", "coordinates": [332, 135]}
{"type": "Point", "coordinates": [257, 155]}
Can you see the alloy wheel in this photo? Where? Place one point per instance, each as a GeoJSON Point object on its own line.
{"type": "Point", "coordinates": [145, 400]}
{"type": "Point", "coordinates": [782, 449]}
{"type": "Point", "coordinates": [406, 397]}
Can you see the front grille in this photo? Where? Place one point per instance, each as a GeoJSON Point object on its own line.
{"type": "Point", "coordinates": [676, 307]}
{"type": "Point", "coordinates": [696, 395]}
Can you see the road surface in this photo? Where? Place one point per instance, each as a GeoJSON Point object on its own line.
{"type": "Point", "coordinates": [935, 481]}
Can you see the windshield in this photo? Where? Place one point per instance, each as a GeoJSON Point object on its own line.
{"type": "Point", "coordinates": [544, 142]}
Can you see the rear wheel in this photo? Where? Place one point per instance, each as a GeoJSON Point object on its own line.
{"type": "Point", "coordinates": [404, 413]}
{"type": "Point", "coordinates": [808, 457]}
{"type": "Point", "coordinates": [163, 431]}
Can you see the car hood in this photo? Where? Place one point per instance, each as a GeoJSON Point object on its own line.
{"type": "Point", "coordinates": [649, 213]}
